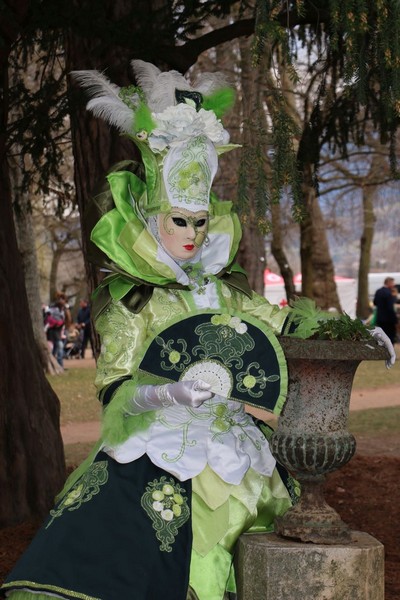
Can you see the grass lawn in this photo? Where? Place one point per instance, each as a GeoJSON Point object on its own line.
{"type": "Point", "coordinates": [374, 374]}
{"type": "Point", "coordinates": [77, 393]}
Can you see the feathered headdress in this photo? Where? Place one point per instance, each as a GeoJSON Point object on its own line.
{"type": "Point", "coordinates": [164, 114]}
{"type": "Point", "coordinates": [137, 111]}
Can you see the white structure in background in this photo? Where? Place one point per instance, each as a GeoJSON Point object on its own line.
{"type": "Point", "coordinates": [274, 291]}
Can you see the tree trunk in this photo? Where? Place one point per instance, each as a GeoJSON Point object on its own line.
{"type": "Point", "coordinates": [252, 248]}
{"type": "Point", "coordinates": [32, 467]}
{"type": "Point", "coordinates": [96, 146]}
{"type": "Point", "coordinates": [316, 264]}
{"type": "Point", "coordinates": [55, 262]}
{"type": "Point", "coordinates": [252, 257]}
{"type": "Point", "coordinates": [367, 237]}
{"type": "Point", "coordinates": [26, 245]}
{"type": "Point", "coordinates": [378, 165]}
{"type": "Point", "coordinates": [279, 253]}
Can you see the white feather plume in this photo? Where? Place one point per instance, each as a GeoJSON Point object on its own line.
{"type": "Point", "coordinates": [207, 83]}
{"type": "Point", "coordinates": [114, 112]}
{"type": "Point", "coordinates": [145, 74]}
{"type": "Point", "coordinates": [105, 102]}
{"type": "Point", "coordinates": [158, 87]}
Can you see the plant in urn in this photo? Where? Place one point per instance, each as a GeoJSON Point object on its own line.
{"type": "Point", "coordinates": [311, 439]}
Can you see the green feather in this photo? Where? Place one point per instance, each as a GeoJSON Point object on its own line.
{"type": "Point", "coordinates": [143, 119]}
{"type": "Point", "coordinates": [220, 101]}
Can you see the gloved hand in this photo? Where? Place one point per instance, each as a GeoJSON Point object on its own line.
{"type": "Point", "coordinates": [186, 393]}
{"type": "Point", "coordinates": [380, 336]}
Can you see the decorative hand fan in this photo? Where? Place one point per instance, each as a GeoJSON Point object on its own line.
{"type": "Point", "coordinates": [236, 354]}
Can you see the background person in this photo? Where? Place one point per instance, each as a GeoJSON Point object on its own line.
{"type": "Point", "coordinates": [385, 300]}
{"type": "Point", "coordinates": [84, 324]}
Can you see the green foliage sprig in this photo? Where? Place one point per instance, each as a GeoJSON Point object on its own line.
{"type": "Point", "coordinates": [312, 322]}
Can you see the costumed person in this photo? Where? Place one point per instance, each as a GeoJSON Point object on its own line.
{"type": "Point", "coordinates": [181, 469]}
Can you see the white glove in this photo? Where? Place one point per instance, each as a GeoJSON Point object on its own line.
{"type": "Point", "coordinates": [186, 393]}
{"type": "Point", "coordinates": [380, 336]}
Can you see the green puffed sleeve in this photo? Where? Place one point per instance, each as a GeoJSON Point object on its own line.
{"type": "Point", "coordinates": [271, 314]}
{"type": "Point", "coordinates": [122, 335]}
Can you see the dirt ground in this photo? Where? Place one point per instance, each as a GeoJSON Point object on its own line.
{"type": "Point", "coordinates": [365, 493]}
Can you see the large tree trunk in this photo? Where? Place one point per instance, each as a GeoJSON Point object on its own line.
{"type": "Point", "coordinates": [378, 165]}
{"type": "Point", "coordinates": [252, 249]}
{"type": "Point", "coordinates": [96, 147]}
{"type": "Point", "coordinates": [367, 237]}
{"type": "Point", "coordinates": [26, 245]}
{"type": "Point", "coordinates": [32, 467]}
{"type": "Point", "coordinates": [316, 264]}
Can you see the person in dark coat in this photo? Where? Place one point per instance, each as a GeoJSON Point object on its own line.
{"type": "Point", "coordinates": [84, 323]}
{"type": "Point", "coordinates": [384, 301]}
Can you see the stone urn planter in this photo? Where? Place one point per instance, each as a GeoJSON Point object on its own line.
{"type": "Point", "coordinates": [311, 439]}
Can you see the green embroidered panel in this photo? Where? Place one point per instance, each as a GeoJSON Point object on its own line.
{"type": "Point", "coordinates": [189, 179]}
{"type": "Point", "coordinates": [166, 504]}
{"type": "Point", "coordinates": [85, 488]}
{"type": "Point", "coordinates": [236, 354]}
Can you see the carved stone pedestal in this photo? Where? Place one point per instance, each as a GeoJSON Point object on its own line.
{"type": "Point", "coordinates": [269, 567]}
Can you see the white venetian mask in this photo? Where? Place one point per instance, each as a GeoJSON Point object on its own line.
{"type": "Point", "coordinates": [182, 232]}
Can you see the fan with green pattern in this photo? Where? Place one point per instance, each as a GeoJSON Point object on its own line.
{"type": "Point", "coordinates": [236, 354]}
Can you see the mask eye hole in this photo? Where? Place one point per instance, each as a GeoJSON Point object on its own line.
{"type": "Point", "coordinates": [201, 222]}
{"type": "Point", "coordinates": [179, 222]}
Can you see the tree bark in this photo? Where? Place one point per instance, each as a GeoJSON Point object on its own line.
{"type": "Point", "coordinates": [367, 237]}
{"type": "Point", "coordinates": [316, 264]}
{"type": "Point", "coordinates": [252, 247]}
{"type": "Point", "coordinates": [32, 467]}
{"type": "Point", "coordinates": [96, 146]}
{"type": "Point", "coordinates": [26, 245]}
{"type": "Point", "coordinates": [279, 254]}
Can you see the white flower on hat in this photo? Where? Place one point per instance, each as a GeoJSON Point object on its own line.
{"type": "Point", "coordinates": [180, 122]}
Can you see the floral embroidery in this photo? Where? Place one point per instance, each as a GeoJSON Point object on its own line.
{"type": "Point", "coordinates": [222, 419]}
{"type": "Point", "coordinates": [167, 507]}
{"type": "Point", "coordinates": [293, 487]}
{"type": "Point", "coordinates": [247, 381]}
{"type": "Point", "coordinates": [174, 356]}
{"type": "Point", "coordinates": [85, 488]}
{"type": "Point", "coordinates": [190, 178]}
{"type": "Point", "coordinates": [225, 420]}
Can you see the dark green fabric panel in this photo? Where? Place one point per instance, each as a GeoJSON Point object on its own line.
{"type": "Point", "coordinates": [106, 547]}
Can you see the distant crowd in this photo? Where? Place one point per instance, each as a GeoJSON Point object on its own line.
{"type": "Point", "coordinates": [67, 338]}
